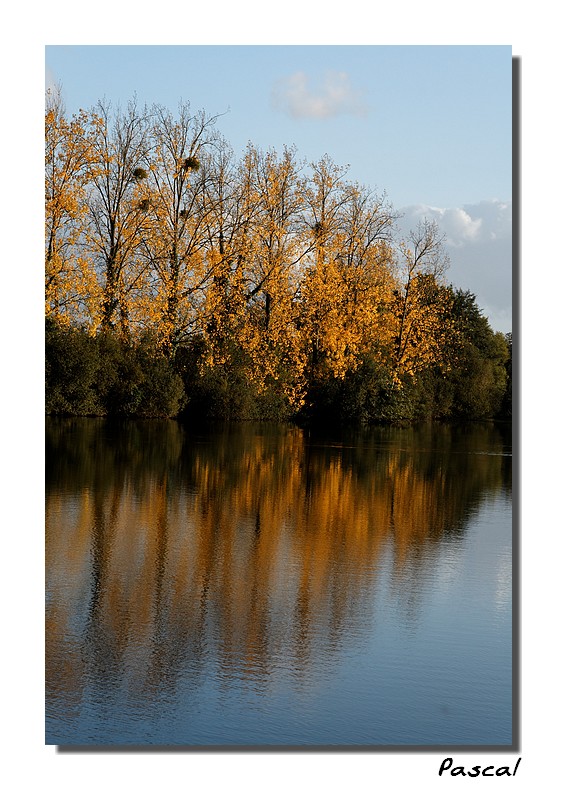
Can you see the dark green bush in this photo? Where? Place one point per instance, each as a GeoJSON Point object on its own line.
{"type": "Point", "coordinates": [71, 372]}
{"type": "Point", "coordinates": [161, 388]}
{"type": "Point", "coordinates": [120, 376]}
{"type": "Point", "coordinates": [224, 391]}
{"type": "Point", "coordinates": [221, 392]}
{"type": "Point", "coordinates": [506, 406]}
{"type": "Point", "coordinates": [366, 394]}
{"type": "Point", "coordinates": [103, 375]}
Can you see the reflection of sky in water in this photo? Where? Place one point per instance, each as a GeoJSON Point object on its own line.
{"type": "Point", "coordinates": [444, 652]}
{"type": "Point", "coordinates": [484, 555]}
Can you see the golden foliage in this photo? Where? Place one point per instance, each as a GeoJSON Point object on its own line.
{"type": "Point", "coordinates": [152, 224]}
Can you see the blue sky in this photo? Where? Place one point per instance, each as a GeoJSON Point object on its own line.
{"type": "Point", "coordinates": [431, 126]}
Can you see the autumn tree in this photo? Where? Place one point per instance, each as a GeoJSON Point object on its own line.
{"type": "Point", "coordinates": [365, 270]}
{"type": "Point", "coordinates": [272, 270]}
{"type": "Point", "coordinates": [227, 208]}
{"type": "Point", "coordinates": [216, 358]}
{"type": "Point", "coordinates": [176, 247]}
{"type": "Point", "coordinates": [349, 271]}
{"type": "Point", "coordinates": [324, 196]}
{"type": "Point", "coordinates": [418, 328]}
{"type": "Point", "coordinates": [70, 283]}
{"type": "Point", "coordinates": [118, 211]}
{"type": "Point", "coordinates": [248, 330]}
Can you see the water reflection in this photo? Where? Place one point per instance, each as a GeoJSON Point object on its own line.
{"type": "Point", "coordinates": [243, 553]}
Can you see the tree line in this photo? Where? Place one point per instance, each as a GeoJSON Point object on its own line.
{"type": "Point", "coordinates": [182, 279]}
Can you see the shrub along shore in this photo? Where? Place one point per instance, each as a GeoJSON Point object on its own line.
{"type": "Point", "coordinates": [103, 375]}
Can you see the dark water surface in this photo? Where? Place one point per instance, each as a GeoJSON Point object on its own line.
{"type": "Point", "coordinates": [260, 585]}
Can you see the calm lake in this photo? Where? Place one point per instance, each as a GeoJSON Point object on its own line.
{"type": "Point", "coordinates": [261, 585]}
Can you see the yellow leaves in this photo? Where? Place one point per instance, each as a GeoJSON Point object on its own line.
{"type": "Point", "coordinates": [296, 272]}
{"type": "Point", "coordinates": [420, 328]}
{"type": "Point", "coordinates": [69, 168]}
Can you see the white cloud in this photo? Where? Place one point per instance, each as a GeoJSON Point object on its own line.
{"type": "Point", "coordinates": [460, 227]}
{"type": "Point", "coordinates": [487, 221]}
{"type": "Point", "coordinates": [296, 97]}
{"type": "Point", "coordinates": [479, 244]}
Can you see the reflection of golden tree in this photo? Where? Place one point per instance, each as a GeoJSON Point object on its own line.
{"type": "Point", "coordinates": [68, 573]}
{"type": "Point", "coordinates": [253, 554]}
